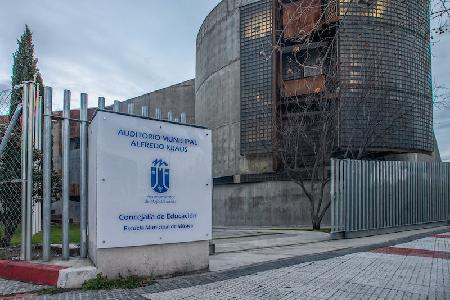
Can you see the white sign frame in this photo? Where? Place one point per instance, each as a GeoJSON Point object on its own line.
{"type": "Point", "coordinates": [131, 207]}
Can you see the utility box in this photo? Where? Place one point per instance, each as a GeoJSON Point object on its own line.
{"type": "Point", "coordinates": [150, 196]}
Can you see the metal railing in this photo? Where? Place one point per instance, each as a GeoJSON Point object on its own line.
{"type": "Point", "coordinates": [67, 163]}
{"type": "Point", "coordinates": [370, 197]}
{"type": "Point", "coordinates": [36, 179]}
{"type": "Point", "coordinates": [10, 175]}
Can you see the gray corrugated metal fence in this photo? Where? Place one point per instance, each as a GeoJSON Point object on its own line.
{"type": "Point", "coordinates": [372, 196]}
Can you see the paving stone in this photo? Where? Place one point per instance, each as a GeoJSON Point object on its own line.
{"type": "Point", "coordinates": [350, 274]}
{"type": "Point", "coordinates": [9, 287]}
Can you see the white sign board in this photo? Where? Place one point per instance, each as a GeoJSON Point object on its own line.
{"type": "Point", "coordinates": [153, 181]}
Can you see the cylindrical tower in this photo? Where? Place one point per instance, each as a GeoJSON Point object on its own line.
{"type": "Point", "coordinates": [369, 60]}
{"type": "Point", "coordinates": [218, 84]}
{"type": "Point", "coordinates": [385, 74]}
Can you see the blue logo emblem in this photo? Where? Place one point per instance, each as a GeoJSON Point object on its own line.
{"type": "Point", "coordinates": [160, 175]}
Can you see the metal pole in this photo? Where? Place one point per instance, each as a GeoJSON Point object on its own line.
{"type": "Point", "coordinates": [10, 128]}
{"type": "Point", "coordinates": [145, 111]}
{"type": "Point", "coordinates": [101, 103]}
{"type": "Point", "coordinates": [36, 118]}
{"type": "Point", "coordinates": [83, 173]}
{"type": "Point", "coordinates": [25, 97]}
{"type": "Point", "coordinates": [38, 122]}
{"type": "Point", "coordinates": [116, 107]}
{"type": "Point", "coordinates": [29, 203]}
{"type": "Point", "coordinates": [47, 174]}
{"type": "Point", "coordinates": [41, 109]}
{"type": "Point", "coordinates": [65, 175]}
{"type": "Point", "coordinates": [332, 196]}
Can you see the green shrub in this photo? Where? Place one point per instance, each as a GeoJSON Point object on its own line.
{"type": "Point", "coordinates": [103, 283]}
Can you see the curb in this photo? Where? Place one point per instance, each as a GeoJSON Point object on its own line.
{"type": "Point", "coordinates": [73, 278]}
{"type": "Point", "coordinates": [46, 274]}
{"type": "Point", "coordinates": [30, 272]}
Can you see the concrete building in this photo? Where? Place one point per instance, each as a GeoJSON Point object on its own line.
{"type": "Point", "coordinates": [255, 56]}
{"type": "Point", "coordinates": [243, 83]}
{"type": "Point", "coordinates": [176, 102]}
{"type": "Point", "coordinates": [245, 191]}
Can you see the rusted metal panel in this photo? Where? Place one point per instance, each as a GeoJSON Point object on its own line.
{"type": "Point", "coordinates": [304, 86]}
{"type": "Point", "coordinates": [301, 17]}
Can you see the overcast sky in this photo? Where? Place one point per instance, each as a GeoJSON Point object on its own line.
{"type": "Point", "coordinates": [121, 49]}
{"type": "Point", "coordinates": [117, 49]}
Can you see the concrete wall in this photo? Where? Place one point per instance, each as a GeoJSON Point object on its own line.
{"type": "Point", "coordinates": [435, 156]}
{"type": "Point", "coordinates": [177, 98]}
{"type": "Point", "coordinates": [272, 203]}
{"type": "Point", "coordinates": [217, 90]}
{"type": "Point", "coordinates": [154, 260]}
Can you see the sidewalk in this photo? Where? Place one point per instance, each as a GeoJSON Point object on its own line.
{"type": "Point", "coordinates": [419, 269]}
{"type": "Point", "coordinates": [233, 253]}
{"type": "Point", "coordinates": [259, 271]}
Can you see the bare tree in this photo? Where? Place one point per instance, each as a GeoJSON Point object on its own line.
{"type": "Point", "coordinates": [440, 16]}
{"type": "Point", "coordinates": [307, 136]}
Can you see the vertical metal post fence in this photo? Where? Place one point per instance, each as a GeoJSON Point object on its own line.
{"type": "Point", "coordinates": [34, 137]}
{"type": "Point", "coordinates": [65, 175]}
{"type": "Point", "coordinates": [47, 174]}
{"type": "Point", "coordinates": [24, 156]}
{"type": "Point", "coordinates": [83, 173]}
{"type": "Point", "coordinates": [29, 168]}
{"type": "Point", "coordinates": [38, 124]}
{"type": "Point", "coordinates": [380, 196]}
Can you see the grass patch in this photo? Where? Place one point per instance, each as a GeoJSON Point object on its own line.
{"type": "Point", "coordinates": [103, 283]}
{"type": "Point", "coordinates": [55, 235]}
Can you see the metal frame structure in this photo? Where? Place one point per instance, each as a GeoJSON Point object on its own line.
{"type": "Point", "coordinates": [385, 71]}
{"type": "Point", "coordinates": [32, 123]}
{"type": "Point", "coordinates": [382, 49]}
{"type": "Point", "coordinates": [10, 128]}
{"type": "Point", "coordinates": [256, 88]}
{"type": "Point", "coordinates": [47, 173]}
{"type": "Point", "coordinates": [25, 245]}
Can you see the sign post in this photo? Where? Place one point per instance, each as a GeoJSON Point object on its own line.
{"type": "Point", "coordinates": [150, 196]}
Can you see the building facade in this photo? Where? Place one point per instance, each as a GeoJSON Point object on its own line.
{"type": "Point", "coordinates": [175, 102]}
{"type": "Point", "coordinates": [369, 61]}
